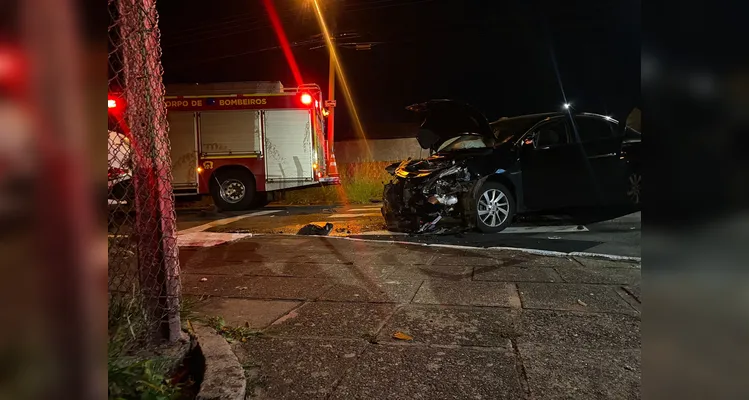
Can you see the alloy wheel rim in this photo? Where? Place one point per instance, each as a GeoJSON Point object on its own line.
{"type": "Point", "coordinates": [232, 191]}
{"type": "Point", "coordinates": [635, 180]}
{"type": "Point", "coordinates": [493, 208]}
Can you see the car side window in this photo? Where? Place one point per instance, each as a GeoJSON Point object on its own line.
{"type": "Point", "coordinates": [591, 129]}
{"type": "Point", "coordinates": [553, 133]}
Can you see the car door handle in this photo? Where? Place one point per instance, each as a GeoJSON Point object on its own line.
{"type": "Point", "coordinates": [602, 155]}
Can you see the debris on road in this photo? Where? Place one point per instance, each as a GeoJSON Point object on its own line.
{"type": "Point", "coordinates": [312, 229]}
{"type": "Point", "coordinates": [402, 336]}
{"type": "Point", "coordinates": [582, 303]}
{"type": "Point", "coordinates": [204, 279]}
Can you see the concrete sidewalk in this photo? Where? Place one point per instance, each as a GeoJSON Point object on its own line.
{"type": "Point", "coordinates": [484, 324]}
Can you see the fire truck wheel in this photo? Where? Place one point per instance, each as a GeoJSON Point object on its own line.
{"type": "Point", "coordinates": [233, 189]}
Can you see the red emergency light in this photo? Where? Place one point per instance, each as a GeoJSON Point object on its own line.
{"type": "Point", "coordinates": [111, 103]}
{"type": "Point", "coordinates": [306, 99]}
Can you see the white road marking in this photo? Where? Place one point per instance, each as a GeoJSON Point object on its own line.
{"type": "Point", "coordinates": [208, 239]}
{"type": "Point", "coordinates": [544, 229]}
{"type": "Point", "coordinates": [381, 233]}
{"type": "Point", "coordinates": [511, 229]}
{"type": "Point", "coordinates": [355, 215]}
{"type": "Point", "coordinates": [219, 222]}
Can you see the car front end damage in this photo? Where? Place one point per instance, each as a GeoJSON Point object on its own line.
{"type": "Point", "coordinates": [426, 192]}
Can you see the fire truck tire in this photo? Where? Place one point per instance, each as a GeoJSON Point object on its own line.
{"type": "Point", "coordinates": [233, 189]}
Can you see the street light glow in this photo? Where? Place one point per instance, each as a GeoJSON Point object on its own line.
{"type": "Point", "coordinates": [341, 75]}
{"type": "Point", "coordinates": [567, 106]}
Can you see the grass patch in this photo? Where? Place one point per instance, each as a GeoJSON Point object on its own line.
{"type": "Point", "coordinates": [134, 368]}
{"type": "Point", "coordinates": [360, 184]}
{"type": "Point", "coordinates": [231, 334]}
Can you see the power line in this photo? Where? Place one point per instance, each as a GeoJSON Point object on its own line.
{"type": "Point", "coordinates": [317, 41]}
{"type": "Point", "coordinates": [222, 26]}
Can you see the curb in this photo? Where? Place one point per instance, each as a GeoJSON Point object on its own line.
{"type": "Point", "coordinates": [538, 252]}
{"type": "Point", "coordinates": [223, 377]}
{"type": "Point", "coordinates": [612, 257]}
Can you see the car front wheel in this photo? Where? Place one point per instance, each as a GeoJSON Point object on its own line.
{"type": "Point", "coordinates": [495, 207]}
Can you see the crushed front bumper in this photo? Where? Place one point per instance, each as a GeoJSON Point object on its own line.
{"type": "Point", "coordinates": [406, 208]}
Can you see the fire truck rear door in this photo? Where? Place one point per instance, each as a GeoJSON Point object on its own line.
{"type": "Point", "coordinates": [288, 148]}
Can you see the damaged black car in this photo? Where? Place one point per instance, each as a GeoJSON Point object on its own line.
{"type": "Point", "coordinates": [481, 174]}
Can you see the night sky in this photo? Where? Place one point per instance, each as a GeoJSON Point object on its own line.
{"type": "Point", "coordinates": [504, 57]}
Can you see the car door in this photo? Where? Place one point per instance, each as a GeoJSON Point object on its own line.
{"type": "Point", "coordinates": [550, 165]}
{"type": "Point", "coordinates": [601, 142]}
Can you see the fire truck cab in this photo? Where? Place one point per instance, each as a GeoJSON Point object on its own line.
{"type": "Point", "coordinates": [238, 141]}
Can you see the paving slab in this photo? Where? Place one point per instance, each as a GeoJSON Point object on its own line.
{"type": "Point", "coordinates": [333, 320]}
{"type": "Point", "coordinates": [509, 258]}
{"type": "Point", "coordinates": [421, 372]}
{"type": "Point", "coordinates": [465, 326]}
{"type": "Point", "coordinates": [597, 331]}
{"type": "Point", "coordinates": [286, 368]}
{"type": "Point", "coordinates": [469, 260]}
{"type": "Point", "coordinates": [570, 373]}
{"type": "Point", "coordinates": [516, 274]}
{"type": "Point", "coordinates": [399, 254]}
{"type": "Point", "coordinates": [309, 270]}
{"type": "Point", "coordinates": [375, 291]}
{"type": "Point", "coordinates": [573, 297]}
{"type": "Point", "coordinates": [256, 314]}
{"type": "Point", "coordinates": [360, 272]}
{"type": "Point", "coordinates": [468, 293]}
{"type": "Point", "coordinates": [420, 272]}
{"type": "Point", "coordinates": [313, 256]}
{"type": "Point", "coordinates": [599, 274]}
{"type": "Point", "coordinates": [256, 287]}
{"type": "Point", "coordinates": [634, 290]}
{"type": "Point", "coordinates": [604, 263]}
{"type": "Point", "coordinates": [267, 250]}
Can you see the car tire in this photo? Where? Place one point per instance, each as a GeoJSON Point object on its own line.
{"type": "Point", "coordinates": [491, 203]}
{"type": "Point", "coordinates": [233, 189]}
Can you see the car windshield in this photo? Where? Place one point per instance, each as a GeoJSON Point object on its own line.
{"type": "Point", "coordinates": [507, 128]}
{"type": "Point", "coordinates": [462, 143]}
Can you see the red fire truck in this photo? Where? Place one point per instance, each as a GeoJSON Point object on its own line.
{"type": "Point", "coordinates": [238, 141]}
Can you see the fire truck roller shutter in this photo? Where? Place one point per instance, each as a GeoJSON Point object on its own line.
{"type": "Point", "coordinates": [288, 148]}
{"type": "Point", "coordinates": [230, 132]}
{"type": "Point", "coordinates": [183, 149]}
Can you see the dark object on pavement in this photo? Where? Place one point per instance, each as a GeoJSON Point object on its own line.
{"type": "Point", "coordinates": [481, 174]}
{"type": "Point", "coordinates": [316, 230]}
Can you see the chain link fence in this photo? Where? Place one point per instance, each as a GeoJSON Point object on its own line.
{"type": "Point", "coordinates": [144, 283]}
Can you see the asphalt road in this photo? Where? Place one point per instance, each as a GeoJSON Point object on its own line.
{"type": "Point", "coordinates": [614, 232]}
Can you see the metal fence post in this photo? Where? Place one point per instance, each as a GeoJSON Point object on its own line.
{"type": "Point", "coordinates": [155, 222]}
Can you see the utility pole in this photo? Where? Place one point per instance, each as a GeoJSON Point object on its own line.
{"type": "Point", "coordinates": [329, 37]}
{"type": "Point", "coordinates": [331, 79]}
{"type": "Point", "coordinates": [331, 98]}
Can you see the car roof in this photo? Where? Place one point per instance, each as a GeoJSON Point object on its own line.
{"type": "Point", "coordinates": [540, 116]}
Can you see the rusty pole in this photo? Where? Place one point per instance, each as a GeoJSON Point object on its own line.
{"type": "Point", "coordinates": [155, 228]}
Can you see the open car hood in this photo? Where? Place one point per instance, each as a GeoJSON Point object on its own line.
{"type": "Point", "coordinates": [446, 119]}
